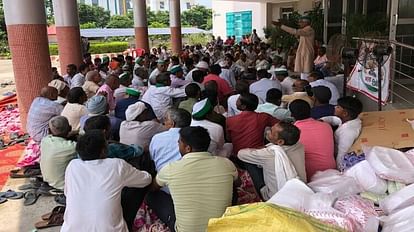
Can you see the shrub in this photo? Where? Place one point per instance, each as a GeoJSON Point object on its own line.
{"type": "Point", "coordinates": [97, 47]}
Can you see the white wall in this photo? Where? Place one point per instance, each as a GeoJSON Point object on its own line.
{"type": "Point", "coordinates": [220, 8]}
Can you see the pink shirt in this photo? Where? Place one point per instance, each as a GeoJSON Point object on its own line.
{"type": "Point", "coordinates": [318, 139]}
{"type": "Point", "coordinates": [109, 96]}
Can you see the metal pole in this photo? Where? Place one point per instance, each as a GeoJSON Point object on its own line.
{"type": "Point", "coordinates": [325, 21]}
{"type": "Point", "coordinates": [380, 59]}
{"type": "Point", "coordinates": [393, 13]}
{"type": "Point", "coordinates": [344, 16]}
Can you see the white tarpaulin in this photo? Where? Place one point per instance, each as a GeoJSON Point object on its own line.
{"type": "Point", "coordinates": [365, 79]}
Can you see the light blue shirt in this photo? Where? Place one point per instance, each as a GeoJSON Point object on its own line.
{"type": "Point", "coordinates": [164, 148]}
{"type": "Point", "coordinates": [274, 110]}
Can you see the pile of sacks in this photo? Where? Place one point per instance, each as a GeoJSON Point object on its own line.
{"type": "Point", "coordinates": [374, 192]}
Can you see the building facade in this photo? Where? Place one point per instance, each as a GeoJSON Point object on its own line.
{"type": "Point", "coordinates": [239, 18]}
{"type": "Point", "coordinates": [121, 7]}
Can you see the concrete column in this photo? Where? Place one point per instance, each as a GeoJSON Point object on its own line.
{"type": "Point", "coordinates": [175, 25]}
{"type": "Point", "coordinates": [141, 24]}
{"type": "Point", "coordinates": [67, 33]}
{"type": "Point", "coordinates": [27, 35]}
{"type": "Point", "coordinates": [325, 20]}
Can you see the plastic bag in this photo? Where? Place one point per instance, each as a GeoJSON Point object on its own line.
{"type": "Point", "coordinates": [390, 164]}
{"type": "Point", "coordinates": [294, 194]}
{"type": "Point", "coordinates": [360, 211]}
{"type": "Point", "coordinates": [401, 221]}
{"type": "Point", "coordinates": [398, 200]}
{"type": "Point", "coordinates": [365, 176]}
{"type": "Point", "coordinates": [333, 182]}
{"type": "Point", "coordinates": [266, 217]}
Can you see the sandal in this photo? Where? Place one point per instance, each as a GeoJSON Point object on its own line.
{"type": "Point", "coordinates": [57, 209]}
{"type": "Point", "coordinates": [30, 197]}
{"type": "Point", "coordinates": [10, 194]}
{"type": "Point", "coordinates": [2, 200]}
{"type": "Point", "coordinates": [47, 190]}
{"type": "Point", "coordinates": [61, 199]}
{"type": "Point", "coordinates": [55, 219]}
{"type": "Point", "coordinates": [25, 172]}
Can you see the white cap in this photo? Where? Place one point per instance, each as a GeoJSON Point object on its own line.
{"type": "Point", "coordinates": [202, 64]}
{"type": "Point", "coordinates": [134, 110]}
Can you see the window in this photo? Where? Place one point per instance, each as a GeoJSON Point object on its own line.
{"type": "Point", "coordinates": [162, 6]}
{"type": "Point", "coordinates": [95, 2]}
{"type": "Point", "coordinates": [188, 5]}
{"type": "Point", "coordinates": [286, 12]}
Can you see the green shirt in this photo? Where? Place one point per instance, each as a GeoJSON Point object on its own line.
{"type": "Point", "coordinates": [188, 104]}
{"type": "Point", "coordinates": [201, 187]}
{"type": "Point", "coordinates": [56, 153]}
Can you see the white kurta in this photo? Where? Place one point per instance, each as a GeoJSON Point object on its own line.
{"type": "Point", "coordinates": [93, 194]}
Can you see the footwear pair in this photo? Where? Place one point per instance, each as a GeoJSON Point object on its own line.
{"type": "Point", "coordinates": [54, 218]}
{"type": "Point", "coordinates": [10, 194]}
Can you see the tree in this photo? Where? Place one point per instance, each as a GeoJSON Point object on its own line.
{"type": "Point", "coordinates": [93, 14]}
{"type": "Point", "coordinates": [198, 16]}
{"type": "Point", "coordinates": [120, 21]}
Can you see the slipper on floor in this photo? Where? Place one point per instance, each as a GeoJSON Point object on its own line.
{"type": "Point", "coordinates": [26, 172]}
{"type": "Point", "coordinates": [57, 209]}
{"type": "Point", "coordinates": [47, 190]}
{"type": "Point", "coordinates": [10, 194]}
{"type": "Point", "coordinates": [61, 199]}
{"type": "Point", "coordinates": [2, 200]}
{"type": "Point", "coordinates": [56, 219]}
{"type": "Point", "coordinates": [35, 183]}
{"type": "Point", "coordinates": [30, 197]}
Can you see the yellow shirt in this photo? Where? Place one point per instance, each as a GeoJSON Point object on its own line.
{"type": "Point", "coordinates": [201, 187]}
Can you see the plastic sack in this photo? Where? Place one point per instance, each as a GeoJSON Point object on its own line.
{"type": "Point", "coordinates": [390, 164]}
{"type": "Point", "coordinates": [400, 221]}
{"type": "Point", "coordinates": [365, 176]}
{"type": "Point", "coordinates": [410, 155]}
{"type": "Point", "coordinates": [336, 218]}
{"type": "Point", "coordinates": [333, 182]}
{"type": "Point", "coordinates": [294, 194]}
{"type": "Point", "coordinates": [398, 200]}
{"type": "Point", "coordinates": [266, 217]}
{"type": "Point", "coordinates": [361, 211]}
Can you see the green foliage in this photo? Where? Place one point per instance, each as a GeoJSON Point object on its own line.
{"type": "Point", "coordinates": [278, 37]}
{"type": "Point", "coordinates": [88, 25]}
{"type": "Point", "coordinates": [366, 25]}
{"type": "Point", "coordinates": [49, 12]}
{"type": "Point", "coordinates": [96, 14]}
{"type": "Point", "coordinates": [97, 48]}
{"type": "Point", "coordinates": [120, 21]}
{"type": "Point", "coordinates": [198, 16]}
{"type": "Point", "coordinates": [195, 39]}
{"type": "Point", "coordinates": [157, 25]}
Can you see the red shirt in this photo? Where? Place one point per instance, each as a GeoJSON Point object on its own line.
{"type": "Point", "coordinates": [318, 139]}
{"type": "Point", "coordinates": [224, 88]}
{"type": "Point", "coordinates": [246, 130]}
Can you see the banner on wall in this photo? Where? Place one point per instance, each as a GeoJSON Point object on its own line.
{"type": "Point", "coordinates": [364, 78]}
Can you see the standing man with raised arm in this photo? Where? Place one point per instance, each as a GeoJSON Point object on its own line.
{"type": "Point", "coordinates": [305, 53]}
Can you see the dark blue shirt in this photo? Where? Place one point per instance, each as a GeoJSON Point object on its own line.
{"type": "Point", "coordinates": [318, 112]}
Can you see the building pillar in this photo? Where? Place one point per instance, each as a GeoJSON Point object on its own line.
{"type": "Point", "coordinates": [141, 25]}
{"type": "Point", "coordinates": [344, 16]}
{"type": "Point", "coordinates": [175, 25]}
{"type": "Point", "coordinates": [28, 42]}
{"type": "Point", "coordinates": [67, 33]}
{"type": "Point", "coordinates": [325, 5]}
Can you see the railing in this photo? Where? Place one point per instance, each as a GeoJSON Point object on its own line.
{"type": "Point", "coordinates": [402, 72]}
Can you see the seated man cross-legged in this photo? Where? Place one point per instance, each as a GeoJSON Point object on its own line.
{"type": "Point", "coordinates": [282, 159]}
{"type": "Point", "coordinates": [93, 186]}
{"type": "Point", "coordinates": [201, 184]}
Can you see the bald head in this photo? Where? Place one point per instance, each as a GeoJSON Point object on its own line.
{"type": "Point", "coordinates": [59, 126]}
{"type": "Point", "coordinates": [299, 85]}
{"type": "Point", "coordinates": [112, 81]}
{"type": "Point", "coordinates": [93, 76]}
{"type": "Point", "coordinates": [49, 92]}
